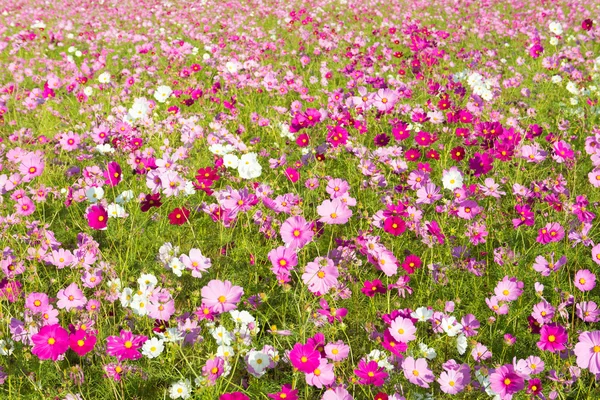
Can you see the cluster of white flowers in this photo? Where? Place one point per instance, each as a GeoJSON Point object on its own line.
{"type": "Point", "coordinates": [247, 165]}
{"type": "Point", "coordinates": [116, 209]}
{"type": "Point", "coordinates": [481, 87]}
{"type": "Point", "coordinates": [138, 300]}
{"type": "Point", "coordinates": [381, 358]}
{"type": "Point", "coordinates": [196, 262]}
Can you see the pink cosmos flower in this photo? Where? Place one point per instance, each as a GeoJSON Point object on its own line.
{"type": "Point", "coordinates": [283, 260]}
{"type": "Point", "coordinates": [50, 342]}
{"type": "Point", "coordinates": [304, 358]}
{"type": "Point", "coordinates": [452, 381]}
{"type": "Point", "coordinates": [82, 342]}
{"type": "Point", "coordinates": [337, 187]}
{"type": "Point", "coordinates": [322, 375]}
{"type": "Point", "coordinates": [588, 311]}
{"type": "Point", "coordinates": [296, 232]}
{"type": "Point", "coordinates": [506, 382]}
{"type": "Point", "coordinates": [495, 306]}
{"type": "Point", "coordinates": [596, 253]}
{"type": "Point", "coordinates": [334, 212]}
{"type": "Point", "coordinates": [70, 297]}
{"type": "Point", "coordinates": [97, 217]}
{"type": "Point", "coordinates": [32, 165]}
{"type": "Point", "coordinates": [37, 303]}
{"type": "Point", "coordinates": [320, 275]}
{"type": "Point", "coordinates": [403, 329]}
{"type": "Point", "coordinates": [417, 372]}
{"type": "Point", "coordinates": [221, 296]}
{"type": "Point", "coordinates": [125, 346]}
{"type": "Point", "coordinates": [24, 206]}
{"type": "Point", "coordinates": [337, 351]}
{"type": "Point", "coordinates": [553, 338]}
{"type": "Point", "coordinates": [585, 280]}
{"type": "Point", "coordinates": [508, 289]}
{"type": "Point", "coordinates": [370, 373]}
{"type": "Point", "coordinates": [213, 369]}
{"type": "Point", "coordinates": [587, 351]}
{"type": "Point", "coordinates": [112, 175]}
{"type": "Point", "coordinates": [552, 232]}
{"type": "Point", "coordinates": [196, 262]}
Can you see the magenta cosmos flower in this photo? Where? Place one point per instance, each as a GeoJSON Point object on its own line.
{"type": "Point", "coordinates": [296, 232]}
{"type": "Point", "coordinates": [50, 342]}
{"type": "Point", "coordinates": [552, 232]}
{"type": "Point", "coordinates": [97, 217]}
{"type": "Point", "coordinates": [588, 351]}
{"type": "Point", "coordinates": [553, 338]}
{"type": "Point", "coordinates": [304, 358]}
{"type": "Point", "coordinates": [370, 373]}
{"type": "Point", "coordinates": [221, 296]}
{"type": "Point", "coordinates": [506, 382]}
{"type": "Point", "coordinates": [112, 175]}
{"type": "Point", "coordinates": [394, 225]}
{"type": "Point", "coordinates": [125, 346]}
{"type": "Point", "coordinates": [82, 342]}
{"type": "Point", "coordinates": [585, 280]}
{"type": "Point", "coordinates": [334, 212]}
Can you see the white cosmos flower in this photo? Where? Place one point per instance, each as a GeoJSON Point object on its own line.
{"type": "Point", "coordinates": [232, 66]}
{"type": "Point", "coordinates": [221, 335]}
{"type": "Point", "coordinates": [147, 282]}
{"type": "Point", "coordinates": [231, 161]}
{"type": "Point", "coordinates": [139, 304]}
{"type": "Point", "coordinates": [94, 194]}
{"type": "Point", "coordinates": [555, 27]}
{"type": "Point", "coordinates": [249, 168]}
{"type": "Point", "coordinates": [259, 362]}
{"type": "Point", "coordinates": [152, 348]}
{"type": "Point", "coordinates": [162, 93]}
{"type": "Point", "coordinates": [125, 297]}
{"type": "Point", "coordinates": [225, 352]}
{"type": "Point", "coordinates": [427, 352]}
{"type": "Point", "coordinates": [180, 390]}
{"type": "Point", "coordinates": [452, 179]}
{"type": "Point", "coordinates": [124, 197]}
{"type": "Point", "coordinates": [241, 317]}
{"type": "Point", "coordinates": [6, 347]}
{"type": "Point", "coordinates": [88, 91]}
{"type": "Point", "coordinates": [104, 77]}
{"type": "Point", "coordinates": [115, 210]}
{"type": "Point", "coordinates": [461, 344]}
{"type": "Point", "coordinates": [104, 148]}
{"type": "Point", "coordinates": [422, 314]}
{"type": "Point", "coordinates": [176, 266]}
{"type": "Point", "coordinates": [450, 326]}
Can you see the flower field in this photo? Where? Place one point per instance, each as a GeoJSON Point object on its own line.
{"type": "Point", "coordinates": [262, 199]}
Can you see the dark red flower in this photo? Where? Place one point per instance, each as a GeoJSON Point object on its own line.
{"type": "Point", "coordinates": [151, 200]}
{"type": "Point", "coordinates": [179, 216]}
